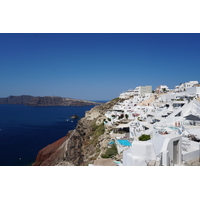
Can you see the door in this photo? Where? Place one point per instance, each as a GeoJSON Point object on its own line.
{"type": "Point", "coordinates": [175, 152]}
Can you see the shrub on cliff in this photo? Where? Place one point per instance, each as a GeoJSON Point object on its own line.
{"type": "Point", "coordinates": [97, 131]}
{"type": "Point", "coordinates": [121, 116]}
{"type": "Point", "coordinates": [94, 126]}
{"type": "Point", "coordinates": [110, 152]}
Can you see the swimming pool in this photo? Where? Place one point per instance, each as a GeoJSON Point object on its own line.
{"type": "Point", "coordinates": [173, 127]}
{"type": "Point", "coordinates": [124, 142]}
{"type": "Point", "coordinates": [110, 143]}
{"type": "Point", "coordinates": [117, 162]}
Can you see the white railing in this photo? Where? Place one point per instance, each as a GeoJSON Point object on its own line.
{"type": "Point", "coordinates": [119, 146]}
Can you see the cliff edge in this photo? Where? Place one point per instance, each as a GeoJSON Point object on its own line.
{"type": "Point", "coordinates": [81, 146]}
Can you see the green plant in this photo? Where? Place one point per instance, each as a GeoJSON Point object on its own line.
{"type": "Point", "coordinates": [177, 99]}
{"type": "Point", "coordinates": [94, 126]}
{"type": "Point", "coordinates": [144, 137]}
{"type": "Point", "coordinates": [104, 156]}
{"type": "Point", "coordinates": [104, 121]}
{"type": "Point", "coordinates": [126, 115]}
{"type": "Point", "coordinates": [98, 150]}
{"type": "Point", "coordinates": [97, 130]}
{"type": "Point", "coordinates": [121, 132]}
{"type": "Point", "coordinates": [110, 152]}
{"type": "Point", "coordinates": [121, 116]}
{"type": "Point", "coordinates": [109, 119]}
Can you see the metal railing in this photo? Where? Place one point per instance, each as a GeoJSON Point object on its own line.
{"type": "Point", "coordinates": [159, 158]}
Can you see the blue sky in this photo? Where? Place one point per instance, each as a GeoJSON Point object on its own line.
{"type": "Point", "coordinates": [95, 66]}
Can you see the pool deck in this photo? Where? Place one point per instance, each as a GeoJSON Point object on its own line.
{"type": "Point", "coordinates": [191, 127]}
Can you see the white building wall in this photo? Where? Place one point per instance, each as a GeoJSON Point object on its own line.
{"type": "Point", "coordinates": [193, 91]}
{"type": "Point", "coordinates": [139, 154]}
{"type": "Point", "coordinates": [190, 155]}
{"type": "Point", "coordinates": [177, 88]}
{"type": "Point", "coordinates": [168, 147]}
{"type": "Point", "coordinates": [145, 89]}
{"type": "Point", "coordinates": [193, 151]}
{"type": "Point", "coordinates": [161, 88]}
{"type": "Point", "coordinates": [167, 97]}
{"type": "Point", "coordinates": [186, 85]}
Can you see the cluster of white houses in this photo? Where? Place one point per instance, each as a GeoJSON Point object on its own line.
{"type": "Point", "coordinates": [183, 86]}
{"type": "Point", "coordinates": [170, 119]}
{"type": "Point", "coordinates": [138, 91]}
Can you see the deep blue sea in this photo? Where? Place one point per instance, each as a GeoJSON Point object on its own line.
{"type": "Point", "coordinates": [25, 130]}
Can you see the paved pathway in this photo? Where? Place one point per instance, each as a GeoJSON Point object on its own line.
{"type": "Point", "coordinates": [195, 162]}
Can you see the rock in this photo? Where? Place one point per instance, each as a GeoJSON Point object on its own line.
{"type": "Point", "coordinates": [64, 163]}
{"type": "Point", "coordinates": [100, 120]}
{"type": "Point", "coordinates": [74, 117]}
{"type": "Point", "coordinates": [51, 154]}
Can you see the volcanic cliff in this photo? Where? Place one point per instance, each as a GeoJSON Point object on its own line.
{"type": "Point", "coordinates": [28, 100]}
{"type": "Point", "coordinates": [82, 145]}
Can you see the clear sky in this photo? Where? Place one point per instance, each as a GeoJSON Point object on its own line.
{"type": "Point", "coordinates": [95, 66]}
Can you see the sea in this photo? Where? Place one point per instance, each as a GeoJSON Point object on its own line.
{"type": "Point", "coordinates": [25, 130]}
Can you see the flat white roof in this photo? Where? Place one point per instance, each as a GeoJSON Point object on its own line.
{"type": "Point", "coordinates": [122, 126]}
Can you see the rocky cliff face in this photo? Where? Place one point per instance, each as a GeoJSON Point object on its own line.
{"type": "Point", "coordinates": [51, 154]}
{"type": "Point", "coordinates": [24, 99]}
{"type": "Point", "coordinates": [45, 101]}
{"type": "Point", "coordinates": [82, 145]}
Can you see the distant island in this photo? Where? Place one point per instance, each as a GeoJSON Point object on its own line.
{"type": "Point", "coordinates": [28, 100]}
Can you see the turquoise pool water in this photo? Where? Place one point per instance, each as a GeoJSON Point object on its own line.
{"type": "Point", "coordinates": [124, 142]}
{"type": "Point", "coordinates": [117, 162]}
{"type": "Point", "coordinates": [111, 142]}
{"type": "Point", "coordinates": [173, 127]}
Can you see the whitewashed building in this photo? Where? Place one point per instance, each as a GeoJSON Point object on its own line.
{"type": "Point", "coordinates": [161, 89]}
{"type": "Point", "coordinates": [172, 122]}
{"type": "Point", "coordinates": [126, 94]}
{"type": "Point", "coordinates": [142, 90]}
{"type": "Point", "coordinates": [183, 86]}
